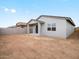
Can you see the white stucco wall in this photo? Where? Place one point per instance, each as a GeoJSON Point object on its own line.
{"type": "Point", "coordinates": [60, 27]}
{"type": "Point", "coordinates": [33, 29]}
{"type": "Point", "coordinates": [69, 29]}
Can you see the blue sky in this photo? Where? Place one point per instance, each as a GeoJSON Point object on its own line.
{"type": "Point", "coordinates": [13, 11]}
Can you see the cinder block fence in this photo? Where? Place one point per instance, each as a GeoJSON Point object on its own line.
{"type": "Point", "coordinates": [11, 31]}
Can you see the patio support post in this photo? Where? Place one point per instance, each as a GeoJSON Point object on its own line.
{"type": "Point", "coordinates": [28, 28]}
{"type": "Point", "coordinates": [39, 28]}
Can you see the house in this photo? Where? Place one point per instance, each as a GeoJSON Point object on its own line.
{"type": "Point", "coordinates": [21, 24]}
{"type": "Point", "coordinates": [55, 26]}
{"type": "Point", "coordinates": [14, 26]}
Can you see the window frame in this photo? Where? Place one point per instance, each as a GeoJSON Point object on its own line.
{"type": "Point", "coordinates": [51, 27]}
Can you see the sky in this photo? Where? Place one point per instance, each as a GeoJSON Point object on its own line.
{"type": "Point", "coordinates": [13, 11]}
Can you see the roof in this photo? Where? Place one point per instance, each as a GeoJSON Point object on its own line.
{"type": "Point", "coordinates": [68, 19]}
{"type": "Point", "coordinates": [14, 26]}
{"type": "Point", "coordinates": [36, 21]}
{"type": "Point", "coordinates": [31, 20]}
{"type": "Point", "coordinates": [21, 23]}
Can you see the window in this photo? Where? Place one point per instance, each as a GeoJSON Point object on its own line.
{"type": "Point", "coordinates": [51, 27]}
{"type": "Point", "coordinates": [54, 27]}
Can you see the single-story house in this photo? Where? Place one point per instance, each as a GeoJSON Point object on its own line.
{"type": "Point", "coordinates": [21, 24]}
{"type": "Point", "coordinates": [55, 26]}
{"type": "Point", "coordinates": [14, 26]}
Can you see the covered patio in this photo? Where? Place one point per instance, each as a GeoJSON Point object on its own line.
{"type": "Point", "coordinates": [34, 26]}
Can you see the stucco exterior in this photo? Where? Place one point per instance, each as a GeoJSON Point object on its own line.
{"type": "Point", "coordinates": [60, 27]}
{"type": "Point", "coordinates": [32, 28]}
{"type": "Point", "coordinates": [64, 26]}
{"type": "Point", "coordinates": [69, 29]}
{"type": "Point", "coordinates": [55, 26]}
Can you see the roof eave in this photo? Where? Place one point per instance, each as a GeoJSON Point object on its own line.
{"type": "Point", "coordinates": [67, 18]}
{"type": "Point", "coordinates": [70, 21]}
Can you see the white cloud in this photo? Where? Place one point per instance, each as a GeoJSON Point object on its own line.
{"type": "Point", "coordinates": [13, 11]}
{"type": "Point", "coordinates": [6, 9]}
{"type": "Point", "coordinates": [10, 10]}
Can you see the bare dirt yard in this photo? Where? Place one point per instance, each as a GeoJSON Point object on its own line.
{"type": "Point", "coordinates": [36, 47]}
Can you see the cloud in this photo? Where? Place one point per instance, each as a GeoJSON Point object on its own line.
{"type": "Point", "coordinates": [6, 9]}
{"type": "Point", "coordinates": [10, 10]}
{"type": "Point", "coordinates": [13, 11]}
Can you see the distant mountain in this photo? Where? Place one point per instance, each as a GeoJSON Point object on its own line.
{"type": "Point", "coordinates": [77, 28]}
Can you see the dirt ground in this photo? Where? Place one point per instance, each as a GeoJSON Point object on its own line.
{"type": "Point", "coordinates": [36, 47]}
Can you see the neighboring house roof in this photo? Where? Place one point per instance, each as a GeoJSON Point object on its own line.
{"type": "Point", "coordinates": [20, 23]}
{"type": "Point", "coordinates": [77, 28]}
{"type": "Point", "coordinates": [66, 18]}
{"type": "Point", "coordinates": [12, 26]}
